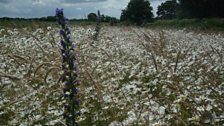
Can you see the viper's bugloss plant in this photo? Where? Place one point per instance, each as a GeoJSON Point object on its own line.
{"type": "Point", "coordinates": [69, 77]}
{"type": "Point", "coordinates": [97, 28]}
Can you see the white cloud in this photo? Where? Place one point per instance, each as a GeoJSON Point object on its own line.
{"type": "Point", "coordinates": [73, 8]}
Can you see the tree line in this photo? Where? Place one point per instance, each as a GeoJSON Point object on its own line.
{"type": "Point", "coordinates": [48, 18]}
{"type": "Point", "coordinates": [103, 18]}
{"type": "Point", "coordinates": [91, 17]}
{"type": "Point", "coordinates": [140, 11]}
{"type": "Point", "coordinates": [191, 9]}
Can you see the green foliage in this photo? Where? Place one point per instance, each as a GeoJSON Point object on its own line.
{"type": "Point", "coordinates": [188, 9]}
{"type": "Point", "coordinates": [137, 11]}
{"type": "Point", "coordinates": [104, 18]}
{"type": "Point", "coordinates": [167, 10]}
{"type": "Point", "coordinates": [5, 117]}
{"type": "Point", "coordinates": [111, 20]}
{"type": "Point", "coordinates": [92, 17]}
{"type": "Point", "coordinates": [201, 8]}
{"type": "Point", "coordinates": [216, 24]}
{"type": "Point", "coordinates": [48, 18]}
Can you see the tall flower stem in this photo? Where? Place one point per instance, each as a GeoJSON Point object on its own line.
{"type": "Point", "coordinates": [69, 77]}
{"type": "Point", "coordinates": [97, 28]}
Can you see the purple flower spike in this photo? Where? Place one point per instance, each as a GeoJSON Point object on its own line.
{"type": "Point", "coordinates": [78, 82]}
{"type": "Point", "coordinates": [69, 77]}
{"type": "Point", "coordinates": [62, 32]}
{"type": "Point", "coordinates": [59, 12]}
{"type": "Point", "coordinates": [63, 44]}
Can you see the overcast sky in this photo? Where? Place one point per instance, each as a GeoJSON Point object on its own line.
{"type": "Point", "coordinates": [72, 8]}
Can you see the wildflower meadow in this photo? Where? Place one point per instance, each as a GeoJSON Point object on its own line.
{"type": "Point", "coordinates": [64, 74]}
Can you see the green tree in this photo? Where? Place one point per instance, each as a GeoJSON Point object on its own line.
{"type": "Point", "coordinates": [137, 11]}
{"type": "Point", "coordinates": [51, 18]}
{"type": "Point", "coordinates": [167, 10]}
{"type": "Point", "coordinates": [201, 8]}
{"type": "Point", "coordinates": [92, 17]}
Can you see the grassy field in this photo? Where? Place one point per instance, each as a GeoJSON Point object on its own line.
{"type": "Point", "coordinates": [130, 76]}
{"type": "Point", "coordinates": [212, 24]}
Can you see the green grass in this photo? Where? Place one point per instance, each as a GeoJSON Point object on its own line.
{"type": "Point", "coordinates": [216, 24]}
{"type": "Point", "coordinates": [21, 24]}
{"type": "Point", "coordinates": [32, 25]}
